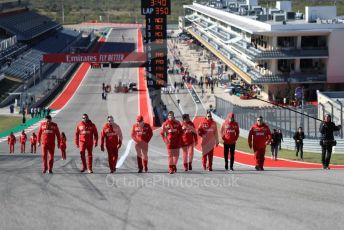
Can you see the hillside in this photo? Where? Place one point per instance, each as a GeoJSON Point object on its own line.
{"type": "Point", "coordinates": [129, 10]}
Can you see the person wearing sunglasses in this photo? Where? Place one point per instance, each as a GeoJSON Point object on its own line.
{"type": "Point", "coordinates": [112, 136]}
{"type": "Point", "coordinates": [230, 134]}
{"type": "Point", "coordinates": [258, 138]}
{"type": "Point", "coordinates": [207, 129]}
{"type": "Point", "coordinates": [171, 133]}
{"type": "Point", "coordinates": [47, 132]}
{"type": "Point", "coordinates": [141, 133]}
{"type": "Point", "coordinates": [86, 135]}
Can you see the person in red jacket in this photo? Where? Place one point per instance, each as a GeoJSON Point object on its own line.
{"type": "Point", "coordinates": [47, 132]}
{"type": "Point", "coordinates": [86, 135]}
{"type": "Point", "coordinates": [22, 141]}
{"type": "Point", "coordinates": [112, 136]}
{"type": "Point", "coordinates": [207, 129]}
{"type": "Point", "coordinates": [230, 134]}
{"type": "Point", "coordinates": [63, 145]}
{"type": "Point", "coordinates": [33, 141]}
{"type": "Point", "coordinates": [11, 140]}
{"type": "Point", "coordinates": [189, 140]}
{"type": "Point", "coordinates": [171, 133]}
{"type": "Point", "coordinates": [258, 138]}
{"type": "Point", "coordinates": [141, 133]}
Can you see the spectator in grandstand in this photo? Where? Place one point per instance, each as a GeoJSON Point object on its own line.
{"type": "Point", "coordinates": [63, 145]}
{"type": "Point", "coordinates": [111, 136]}
{"type": "Point", "coordinates": [281, 139]}
{"type": "Point", "coordinates": [298, 137]}
{"type": "Point", "coordinates": [189, 140]}
{"type": "Point", "coordinates": [47, 132]}
{"type": "Point", "coordinates": [171, 133]}
{"type": "Point", "coordinates": [275, 140]}
{"type": "Point", "coordinates": [22, 141]}
{"type": "Point", "coordinates": [33, 142]}
{"type": "Point", "coordinates": [327, 140]}
{"type": "Point", "coordinates": [141, 133]}
{"type": "Point", "coordinates": [207, 129]}
{"type": "Point", "coordinates": [258, 138]}
{"type": "Point", "coordinates": [86, 136]}
{"type": "Point", "coordinates": [230, 134]}
{"type": "Point", "coordinates": [11, 141]}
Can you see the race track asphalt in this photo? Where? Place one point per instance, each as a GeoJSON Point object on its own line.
{"type": "Point", "coordinates": [243, 199]}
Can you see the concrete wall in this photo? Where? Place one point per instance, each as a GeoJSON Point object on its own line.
{"type": "Point", "coordinates": [322, 12]}
{"type": "Point", "coordinates": [335, 67]}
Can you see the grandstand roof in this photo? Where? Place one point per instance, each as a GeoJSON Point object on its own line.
{"type": "Point", "coordinates": [27, 25]}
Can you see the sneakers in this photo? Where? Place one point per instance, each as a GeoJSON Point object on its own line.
{"type": "Point", "coordinates": [140, 171]}
{"type": "Point", "coordinates": [231, 169]}
{"type": "Point", "coordinates": [190, 166]}
{"type": "Point", "coordinates": [82, 170]}
{"type": "Point", "coordinates": [145, 169]}
{"type": "Point", "coordinates": [90, 171]}
{"type": "Point", "coordinates": [226, 166]}
{"type": "Point", "coordinates": [44, 171]}
{"type": "Point", "coordinates": [210, 169]}
{"type": "Point", "coordinates": [261, 169]}
{"type": "Point", "coordinates": [50, 171]}
{"type": "Point", "coordinates": [186, 168]}
{"type": "Point", "coordinates": [257, 168]}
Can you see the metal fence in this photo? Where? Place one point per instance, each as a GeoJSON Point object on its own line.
{"type": "Point", "coordinates": [288, 120]}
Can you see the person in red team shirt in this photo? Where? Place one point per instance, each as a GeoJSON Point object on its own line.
{"type": "Point", "coordinates": [47, 132]}
{"type": "Point", "coordinates": [86, 135]}
{"type": "Point", "coordinates": [33, 141]}
{"type": "Point", "coordinates": [112, 136]}
{"type": "Point", "coordinates": [22, 141]}
{"type": "Point", "coordinates": [63, 146]}
{"type": "Point", "coordinates": [230, 134]}
{"type": "Point", "coordinates": [171, 133]}
{"type": "Point", "coordinates": [11, 140]}
{"type": "Point", "coordinates": [189, 140]}
{"type": "Point", "coordinates": [258, 138]}
{"type": "Point", "coordinates": [141, 133]}
{"type": "Point", "coordinates": [207, 129]}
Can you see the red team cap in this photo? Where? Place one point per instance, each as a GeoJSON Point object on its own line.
{"type": "Point", "coordinates": [139, 118]}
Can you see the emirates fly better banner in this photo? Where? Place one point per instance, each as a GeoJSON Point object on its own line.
{"type": "Point", "coordinates": [94, 57]}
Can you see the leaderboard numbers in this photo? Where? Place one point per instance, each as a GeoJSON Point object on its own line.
{"type": "Point", "coordinates": [156, 45]}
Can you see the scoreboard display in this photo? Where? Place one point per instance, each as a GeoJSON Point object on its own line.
{"type": "Point", "coordinates": [156, 12]}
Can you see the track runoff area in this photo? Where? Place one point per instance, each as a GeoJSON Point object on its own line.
{"type": "Point", "coordinates": [277, 198]}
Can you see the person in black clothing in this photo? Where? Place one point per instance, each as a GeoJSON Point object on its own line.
{"type": "Point", "coordinates": [281, 139]}
{"type": "Point", "coordinates": [298, 137]}
{"type": "Point", "coordinates": [275, 140]}
{"type": "Point", "coordinates": [327, 141]}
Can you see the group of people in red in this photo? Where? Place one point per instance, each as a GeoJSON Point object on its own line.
{"type": "Point", "coordinates": [176, 135]}
{"type": "Point", "coordinates": [11, 140]}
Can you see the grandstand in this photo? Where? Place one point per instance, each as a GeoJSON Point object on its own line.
{"type": "Point", "coordinates": [25, 36]}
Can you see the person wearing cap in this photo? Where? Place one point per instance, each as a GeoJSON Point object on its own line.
{"type": "Point", "coordinates": [258, 138]}
{"type": "Point", "coordinates": [230, 134]}
{"type": "Point", "coordinates": [111, 135]}
{"type": "Point", "coordinates": [189, 140]}
{"type": "Point", "coordinates": [86, 136]}
{"type": "Point", "coordinates": [33, 142]}
{"type": "Point", "coordinates": [11, 141]}
{"type": "Point", "coordinates": [141, 133]}
{"type": "Point", "coordinates": [47, 132]}
{"type": "Point", "coordinates": [327, 141]}
{"type": "Point", "coordinates": [207, 129]}
{"type": "Point", "coordinates": [171, 133]}
{"type": "Point", "coordinates": [22, 141]}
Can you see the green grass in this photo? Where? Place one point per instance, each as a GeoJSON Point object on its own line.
{"type": "Point", "coordinates": [242, 145]}
{"type": "Point", "coordinates": [8, 122]}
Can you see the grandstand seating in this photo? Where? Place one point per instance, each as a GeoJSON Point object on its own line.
{"type": "Point", "coordinates": [23, 67]}
{"type": "Point", "coordinates": [27, 25]}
